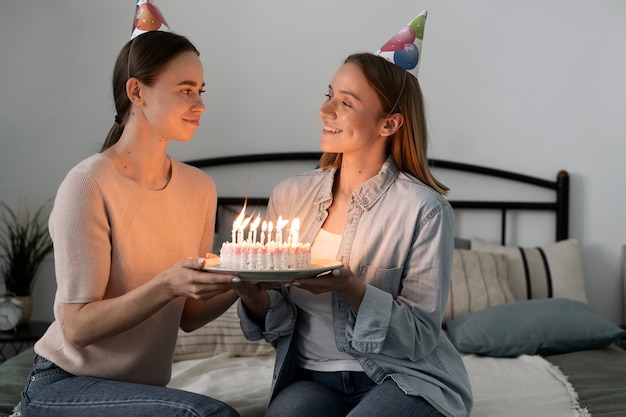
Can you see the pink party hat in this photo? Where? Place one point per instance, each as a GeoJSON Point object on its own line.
{"type": "Point", "coordinates": [405, 48]}
{"type": "Point", "coordinates": [148, 17]}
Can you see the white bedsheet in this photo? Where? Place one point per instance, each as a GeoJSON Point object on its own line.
{"type": "Point", "coordinates": [242, 382]}
{"type": "Point", "coordinates": [519, 387]}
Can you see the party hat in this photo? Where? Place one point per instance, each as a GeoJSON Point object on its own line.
{"type": "Point", "coordinates": [148, 17]}
{"type": "Point", "coordinates": [405, 48]}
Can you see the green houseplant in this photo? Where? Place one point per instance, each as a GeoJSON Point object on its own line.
{"type": "Point", "coordinates": [24, 243]}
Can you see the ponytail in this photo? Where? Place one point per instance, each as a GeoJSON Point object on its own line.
{"type": "Point", "coordinates": [114, 135]}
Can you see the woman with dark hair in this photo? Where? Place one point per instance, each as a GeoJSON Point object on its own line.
{"type": "Point", "coordinates": [366, 339]}
{"type": "Point", "coordinates": [130, 227]}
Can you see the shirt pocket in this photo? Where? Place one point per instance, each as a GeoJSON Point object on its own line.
{"type": "Point", "coordinates": [386, 279]}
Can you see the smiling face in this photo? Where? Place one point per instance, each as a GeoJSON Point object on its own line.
{"type": "Point", "coordinates": [172, 105]}
{"type": "Point", "coordinates": [352, 115]}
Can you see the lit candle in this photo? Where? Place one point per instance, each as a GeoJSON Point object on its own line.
{"type": "Point", "coordinates": [295, 232]}
{"type": "Point", "coordinates": [253, 229]}
{"type": "Point", "coordinates": [279, 230]}
{"type": "Point", "coordinates": [239, 235]}
{"type": "Point", "coordinates": [270, 228]}
{"type": "Point", "coordinates": [263, 229]}
{"type": "Point", "coordinates": [244, 224]}
{"type": "Point", "coordinates": [237, 223]}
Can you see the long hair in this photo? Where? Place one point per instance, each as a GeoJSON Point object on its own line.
{"type": "Point", "coordinates": [143, 58]}
{"type": "Point", "coordinates": [398, 92]}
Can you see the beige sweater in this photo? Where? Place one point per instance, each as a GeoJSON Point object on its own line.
{"type": "Point", "coordinates": [111, 236]}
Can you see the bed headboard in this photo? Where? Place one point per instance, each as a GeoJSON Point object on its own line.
{"type": "Point", "coordinates": [558, 204]}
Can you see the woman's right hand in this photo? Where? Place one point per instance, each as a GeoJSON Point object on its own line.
{"type": "Point", "coordinates": [187, 279]}
{"type": "Point", "coordinates": [118, 314]}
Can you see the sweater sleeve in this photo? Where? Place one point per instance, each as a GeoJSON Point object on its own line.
{"type": "Point", "coordinates": [81, 237]}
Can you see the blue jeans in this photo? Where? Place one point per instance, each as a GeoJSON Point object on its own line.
{"type": "Point", "coordinates": [346, 394]}
{"type": "Point", "coordinates": [52, 392]}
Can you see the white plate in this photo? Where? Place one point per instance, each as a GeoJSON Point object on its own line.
{"type": "Point", "coordinates": [318, 266]}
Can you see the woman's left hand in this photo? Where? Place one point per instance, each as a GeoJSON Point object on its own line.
{"type": "Point", "coordinates": [341, 280]}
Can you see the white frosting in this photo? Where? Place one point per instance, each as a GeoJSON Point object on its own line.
{"type": "Point", "coordinates": [255, 256]}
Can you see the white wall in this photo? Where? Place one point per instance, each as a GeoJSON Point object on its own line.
{"type": "Point", "coordinates": [532, 86]}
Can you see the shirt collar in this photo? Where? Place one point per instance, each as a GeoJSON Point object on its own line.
{"type": "Point", "coordinates": [369, 192]}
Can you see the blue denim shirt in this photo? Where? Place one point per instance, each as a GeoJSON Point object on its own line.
{"type": "Point", "coordinates": [399, 240]}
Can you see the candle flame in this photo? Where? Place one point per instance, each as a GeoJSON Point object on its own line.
{"type": "Point", "coordinates": [239, 218]}
{"type": "Point", "coordinates": [281, 223]}
{"type": "Point", "coordinates": [255, 223]}
{"type": "Point", "coordinates": [245, 223]}
{"type": "Point", "coordinates": [264, 226]}
{"type": "Point", "coordinates": [295, 225]}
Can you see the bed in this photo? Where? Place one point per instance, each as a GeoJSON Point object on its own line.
{"type": "Point", "coordinates": [517, 313]}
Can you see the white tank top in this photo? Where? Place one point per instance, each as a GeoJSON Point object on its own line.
{"type": "Point", "coordinates": [316, 347]}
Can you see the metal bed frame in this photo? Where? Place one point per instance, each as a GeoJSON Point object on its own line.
{"type": "Point", "coordinates": [559, 206]}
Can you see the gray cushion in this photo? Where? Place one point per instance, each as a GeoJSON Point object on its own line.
{"type": "Point", "coordinates": [541, 326]}
{"type": "Point", "coordinates": [460, 243]}
{"type": "Point", "coordinates": [13, 375]}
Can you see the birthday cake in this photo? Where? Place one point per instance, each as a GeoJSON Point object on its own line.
{"type": "Point", "coordinates": [255, 256]}
{"type": "Point", "coordinates": [266, 251]}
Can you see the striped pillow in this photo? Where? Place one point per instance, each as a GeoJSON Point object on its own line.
{"type": "Point", "coordinates": [479, 280]}
{"type": "Point", "coordinates": [549, 271]}
{"type": "Point", "coordinates": [222, 335]}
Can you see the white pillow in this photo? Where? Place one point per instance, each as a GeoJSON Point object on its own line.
{"type": "Point", "coordinates": [222, 335]}
{"type": "Point", "coordinates": [479, 280]}
{"type": "Point", "coordinates": [553, 270]}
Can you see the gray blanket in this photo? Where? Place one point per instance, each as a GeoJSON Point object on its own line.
{"type": "Point", "coordinates": [13, 375]}
{"type": "Point", "coordinates": [599, 377]}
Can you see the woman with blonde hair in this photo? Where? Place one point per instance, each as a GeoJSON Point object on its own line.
{"type": "Point", "coordinates": [367, 339]}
